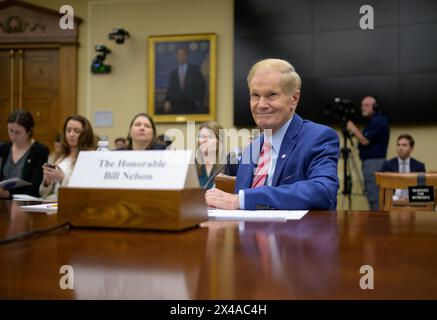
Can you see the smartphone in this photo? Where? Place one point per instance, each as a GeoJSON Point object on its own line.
{"type": "Point", "coordinates": [49, 165]}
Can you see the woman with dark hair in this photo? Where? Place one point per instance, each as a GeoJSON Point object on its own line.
{"type": "Point", "coordinates": [77, 136]}
{"type": "Point", "coordinates": [142, 134]}
{"type": "Point", "coordinates": [22, 157]}
{"type": "Point", "coordinates": [210, 152]}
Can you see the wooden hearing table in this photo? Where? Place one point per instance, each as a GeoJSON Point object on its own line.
{"type": "Point", "coordinates": [318, 257]}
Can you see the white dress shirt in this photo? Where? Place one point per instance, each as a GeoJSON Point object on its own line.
{"type": "Point", "coordinates": [404, 167]}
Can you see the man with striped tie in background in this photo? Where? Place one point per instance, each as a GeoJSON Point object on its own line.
{"type": "Point", "coordinates": [293, 164]}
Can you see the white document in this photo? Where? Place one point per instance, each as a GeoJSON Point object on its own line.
{"type": "Point", "coordinates": [46, 207]}
{"type": "Point", "coordinates": [152, 170]}
{"type": "Point", "coordinates": [26, 197]}
{"type": "Point", "coordinates": [13, 183]}
{"type": "Point", "coordinates": [256, 215]}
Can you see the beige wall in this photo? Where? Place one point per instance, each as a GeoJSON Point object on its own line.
{"type": "Point", "coordinates": [124, 91]}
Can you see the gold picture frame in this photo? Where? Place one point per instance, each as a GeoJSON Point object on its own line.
{"type": "Point", "coordinates": [182, 77]}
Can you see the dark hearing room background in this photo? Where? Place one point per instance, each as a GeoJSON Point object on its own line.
{"type": "Point", "coordinates": [396, 61]}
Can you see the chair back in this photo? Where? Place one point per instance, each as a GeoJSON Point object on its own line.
{"type": "Point", "coordinates": [225, 183]}
{"type": "Point", "coordinates": [390, 181]}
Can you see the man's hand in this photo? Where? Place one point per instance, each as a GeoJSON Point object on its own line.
{"type": "Point", "coordinates": [354, 131]}
{"type": "Point", "coordinates": [351, 127]}
{"type": "Point", "coordinates": [222, 200]}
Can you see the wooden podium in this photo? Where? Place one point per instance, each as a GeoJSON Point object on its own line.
{"type": "Point", "coordinates": [132, 209]}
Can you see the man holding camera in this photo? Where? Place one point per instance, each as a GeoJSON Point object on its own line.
{"type": "Point", "coordinates": [373, 143]}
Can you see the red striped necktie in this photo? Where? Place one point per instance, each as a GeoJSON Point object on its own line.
{"type": "Point", "coordinates": [262, 170]}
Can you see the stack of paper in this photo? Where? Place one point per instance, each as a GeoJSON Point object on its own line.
{"type": "Point", "coordinates": [26, 197]}
{"type": "Point", "coordinates": [46, 207]}
{"type": "Point", "coordinates": [257, 215]}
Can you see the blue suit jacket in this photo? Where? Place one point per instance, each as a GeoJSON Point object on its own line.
{"type": "Point", "coordinates": [392, 165]}
{"type": "Point", "coordinates": [305, 175]}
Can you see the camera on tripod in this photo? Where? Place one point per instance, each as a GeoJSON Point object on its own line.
{"type": "Point", "coordinates": [343, 110]}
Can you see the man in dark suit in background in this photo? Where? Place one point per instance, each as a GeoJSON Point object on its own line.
{"type": "Point", "coordinates": [403, 162]}
{"type": "Point", "coordinates": [186, 87]}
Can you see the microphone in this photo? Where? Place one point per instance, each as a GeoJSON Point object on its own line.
{"type": "Point", "coordinates": [232, 158]}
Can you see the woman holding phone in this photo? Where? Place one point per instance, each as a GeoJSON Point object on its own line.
{"type": "Point", "coordinates": [77, 136]}
{"type": "Point", "coordinates": [22, 157]}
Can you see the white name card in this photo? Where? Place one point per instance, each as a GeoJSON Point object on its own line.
{"type": "Point", "coordinates": [152, 169]}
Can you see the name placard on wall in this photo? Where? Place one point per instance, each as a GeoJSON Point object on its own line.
{"type": "Point", "coordinates": [153, 169]}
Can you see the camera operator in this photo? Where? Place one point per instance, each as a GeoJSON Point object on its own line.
{"type": "Point", "coordinates": [373, 143]}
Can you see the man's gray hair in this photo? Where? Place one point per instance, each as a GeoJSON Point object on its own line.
{"type": "Point", "coordinates": [290, 81]}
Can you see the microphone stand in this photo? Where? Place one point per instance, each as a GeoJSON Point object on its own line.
{"type": "Point", "coordinates": [212, 177]}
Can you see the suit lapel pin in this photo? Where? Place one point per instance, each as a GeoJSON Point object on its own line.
{"type": "Point", "coordinates": [283, 156]}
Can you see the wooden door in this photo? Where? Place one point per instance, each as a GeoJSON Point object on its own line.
{"type": "Point", "coordinates": [6, 90]}
{"type": "Point", "coordinates": [32, 84]}
{"type": "Point", "coordinates": [40, 91]}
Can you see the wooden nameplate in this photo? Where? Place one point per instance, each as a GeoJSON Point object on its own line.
{"type": "Point", "coordinates": [132, 209]}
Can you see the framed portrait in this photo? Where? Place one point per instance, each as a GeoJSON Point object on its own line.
{"type": "Point", "coordinates": [182, 77]}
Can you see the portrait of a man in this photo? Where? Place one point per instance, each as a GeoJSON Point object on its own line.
{"type": "Point", "coordinates": [186, 87]}
{"type": "Point", "coordinates": [182, 78]}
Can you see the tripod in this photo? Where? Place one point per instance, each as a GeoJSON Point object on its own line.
{"type": "Point", "coordinates": [349, 161]}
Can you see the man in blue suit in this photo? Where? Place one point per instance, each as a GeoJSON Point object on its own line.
{"type": "Point", "coordinates": [404, 162]}
{"type": "Point", "coordinates": [293, 164]}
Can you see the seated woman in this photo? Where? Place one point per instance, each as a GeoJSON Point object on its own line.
{"type": "Point", "coordinates": [208, 158]}
{"type": "Point", "coordinates": [23, 157]}
{"type": "Point", "coordinates": [142, 134]}
{"type": "Point", "coordinates": [78, 136]}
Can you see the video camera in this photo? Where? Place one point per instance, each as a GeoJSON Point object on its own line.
{"type": "Point", "coordinates": [343, 110]}
{"type": "Point", "coordinates": [119, 35]}
{"type": "Point", "coordinates": [98, 66]}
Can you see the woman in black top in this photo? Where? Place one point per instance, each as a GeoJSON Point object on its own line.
{"type": "Point", "coordinates": [142, 134]}
{"type": "Point", "coordinates": [22, 157]}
